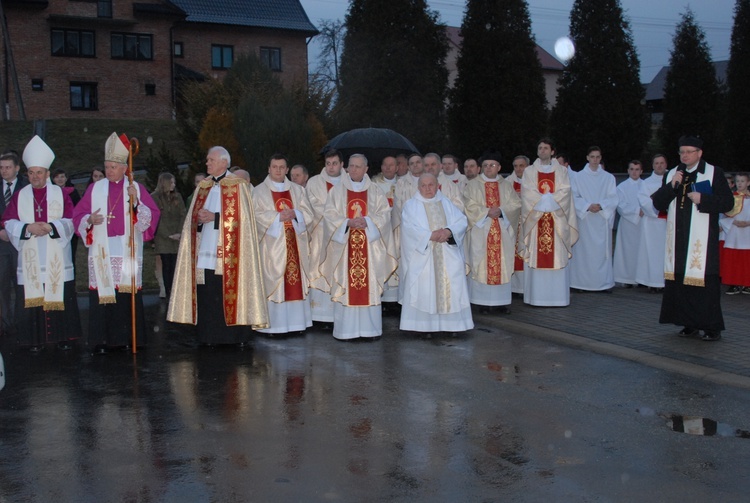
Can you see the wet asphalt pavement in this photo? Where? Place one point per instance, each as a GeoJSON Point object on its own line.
{"type": "Point", "coordinates": [489, 416]}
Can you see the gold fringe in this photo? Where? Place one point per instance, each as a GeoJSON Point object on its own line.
{"type": "Point", "coordinates": [35, 302]}
{"type": "Point", "coordinates": [107, 299]}
{"type": "Point", "coordinates": [669, 276]}
{"type": "Point", "coordinates": [54, 306]}
{"type": "Point", "coordinates": [125, 289]}
{"type": "Point", "coordinates": [694, 281]}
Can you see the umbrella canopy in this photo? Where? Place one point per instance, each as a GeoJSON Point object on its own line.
{"type": "Point", "coordinates": [373, 143]}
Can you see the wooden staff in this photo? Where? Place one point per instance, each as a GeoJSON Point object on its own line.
{"type": "Point", "coordinates": [134, 148]}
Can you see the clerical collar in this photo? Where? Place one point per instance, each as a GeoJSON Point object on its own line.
{"type": "Point", "coordinates": [693, 168]}
{"type": "Point", "coordinates": [496, 179]}
{"type": "Point", "coordinates": [358, 186]}
{"type": "Point", "coordinates": [220, 177]}
{"type": "Point", "coordinates": [278, 185]}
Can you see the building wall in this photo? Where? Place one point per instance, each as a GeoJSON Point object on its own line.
{"type": "Point", "coordinates": [121, 84]}
{"type": "Point", "coordinates": [198, 39]}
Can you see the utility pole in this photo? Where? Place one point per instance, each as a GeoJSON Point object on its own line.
{"type": "Point", "coordinates": [12, 66]}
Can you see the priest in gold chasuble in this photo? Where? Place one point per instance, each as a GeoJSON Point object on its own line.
{"type": "Point", "coordinates": [317, 190]}
{"type": "Point", "coordinates": [549, 228]}
{"type": "Point", "coordinates": [218, 283]}
{"type": "Point", "coordinates": [359, 258]}
{"type": "Point", "coordinates": [492, 208]}
{"type": "Point", "coordinates": [282, 214]}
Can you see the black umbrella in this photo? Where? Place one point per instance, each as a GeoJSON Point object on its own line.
{"type": "Point", "coordinates": [373, 143]}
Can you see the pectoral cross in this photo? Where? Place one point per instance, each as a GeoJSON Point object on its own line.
{"type": "Point", "coordinates": [39, 211]}
{"type": "Point", "coordinates": [110, 216]}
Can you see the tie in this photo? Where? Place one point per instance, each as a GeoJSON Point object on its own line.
{"type": "Point", "coordinates": [7, 194]}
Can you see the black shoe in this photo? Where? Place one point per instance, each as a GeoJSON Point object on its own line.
{"type": "Point", "coordinates": [688, 332]}
{"type": "Point", "coordinates": [241, 346]}
{"type": "Point", "coordinates": [99, 349]}
{"type": "Point", "coordinates": [484, 310]}
{"type": "Point", "coordinates": [711, 335]}
{"type": "Point", "coordinates": [35, 350]}
{"type": "Point", "coordinates": [503, 310]}
{"type": "Point", "coordinates": [734, 290]}
{"type": "Point", "coordinates": [64, 345]}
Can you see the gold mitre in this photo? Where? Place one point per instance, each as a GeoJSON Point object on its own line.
{"type": "Point", "coordinates": [38, 154]}
{"type": "Point", "coordinates": [116, 150]}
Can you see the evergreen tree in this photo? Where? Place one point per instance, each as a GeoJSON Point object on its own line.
{"type": "Point", "coordinates": [393, 71]}
{"type": "Point", "coordinates": [499, 99]}
{"type": "Point", "coordinates": [600, 100]}
{"type": "Point", "coordinates": [691, 92]}
{"type": "Point", "coordinates": [164, 161]}
{"type": "Point", "coordinates": [738, 98]}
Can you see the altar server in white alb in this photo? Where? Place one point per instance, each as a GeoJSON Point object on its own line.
{"type": "Point", "coordinates": [492, 208]}
{"type": "Point", "coordinates": [653, 237]}
{"type": "Point", "coordinates": [595, 198]}
{"type": "Point", "coordinates": [39, 225]}
{"type": "Point", "coordinates": [435, 292]}
{"type": "Point", "coordinates": [629, 228]}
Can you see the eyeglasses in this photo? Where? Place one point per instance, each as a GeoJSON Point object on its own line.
{"type": "Point", "coordinates": [490, 165]}
{"type": "Point", "coordinates": [685, 152]}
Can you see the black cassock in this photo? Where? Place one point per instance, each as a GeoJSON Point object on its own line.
{"type": "Point", "coordinates": [697, 307]}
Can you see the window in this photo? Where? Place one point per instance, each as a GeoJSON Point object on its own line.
{"type": "Point", "coordinates": [37, 84]}
{"type": "Point", "coordinates": [132, 46]}
{"type": "Point", "coordinates": [222, 56]}
{"type": "Point", "coordinates": [178, 50]}
{"type": "Point", "coordinates": [104, 8]}
{"type": "Point", "coordinates": [73, 43]}
{"type": "Point", "coordinates": [150, 89]}
{"type": "Point", "coordinates": [271, 56]}
{"type": "Point", "coordinates": [83, 96]}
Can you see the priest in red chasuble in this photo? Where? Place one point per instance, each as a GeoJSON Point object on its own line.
{"type": "Point", "coordinates": [549, 229]}
{"type": "Point", "coordinates": [39, 223]}
{"type": "Point", "coordinates": [282, 214]}
{"type": "Point", "coordinates": [218, 284]}
{"type": "Point", "coordinates": [102, 219]}
{"type": "Point", "coordinates": [359, 256]}
{"type": "Point", "coordinates": [492, 208]}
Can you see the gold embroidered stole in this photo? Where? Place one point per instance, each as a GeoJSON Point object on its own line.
{"type": "Point", "coordinates": [436, 220]}
{"type": "Point", "coordinates": [359, 278]}
{"type": "Point", "coordinates": [292, 274]}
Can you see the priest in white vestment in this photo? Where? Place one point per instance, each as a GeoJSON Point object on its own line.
{"type": "Point", "coordinates": [406, 187]}
{"type": "Point", "coordinates": [520, 163]}
{"type": "Point", "coordinates": [358, 260]}
{"type": "Point", "coordinates": [492, 209]}
{"type": "Point", "coordinates": [549, 229]}
{"type": "Point", "coordinates": [451, 172]}
{"type": "Point", "coordinates": [625, 263]}
{"type": "Point", "coordinates": [435, 294]}
{"type": "Point", "coordinates": [282, 214]}
{"type": "Point", "coordinates": [595, 198]}
{"type": "Point", "coordinates": [653, 236]}
{"type": "Point", "coordinates": [317, 189]}
{"type": "Point", "coordinates": [386, 180]}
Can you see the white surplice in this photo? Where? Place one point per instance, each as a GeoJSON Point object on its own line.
{"type": "Point", "coordinates": [628, 232]}
{"type": "Point", "coordinates": [653, 237]}
{"type": "Point", "coordinates": [591, 265]}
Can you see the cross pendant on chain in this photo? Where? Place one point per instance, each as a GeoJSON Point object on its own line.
{"type": "Point", "coordinates": [110, 216]}
{"type": "Point", "coordinates": [39, 211]}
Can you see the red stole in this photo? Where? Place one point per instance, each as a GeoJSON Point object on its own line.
{"type": "Point", "coordinates": [545, 236]}
{"type": "Point", "coordinates": [292, 278]}
{"type": "Point", "coordinates": [229, 254]}
{"type": "Point", "coordinates": [359, 278]}
{"type": "Point", "coordinates": [494, 250]}
{"type": "Point", "coordinates": [329, 186]}
{"type": "Point", "coordinates": [518, 263]}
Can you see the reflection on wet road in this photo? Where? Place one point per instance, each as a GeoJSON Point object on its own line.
{"type": "Point", "coordinates": [486, 417]}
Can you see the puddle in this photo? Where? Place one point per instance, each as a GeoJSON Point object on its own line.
{"type": "Point", "coordinates": [703, 426]}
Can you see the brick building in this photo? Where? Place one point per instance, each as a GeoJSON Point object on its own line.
{"type": "Point", "coordinates": [123, 59]}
